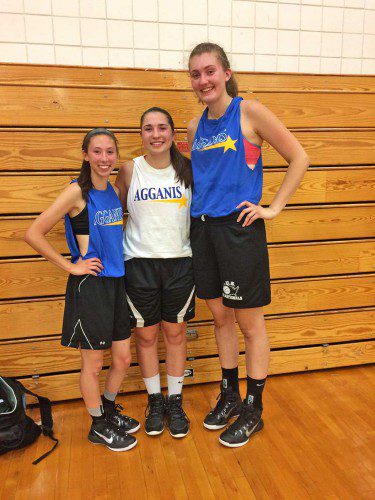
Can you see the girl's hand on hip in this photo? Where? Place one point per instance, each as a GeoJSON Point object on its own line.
{"type": "Point", "coordinates": [253, 212]}
{"type": "Point", "coordinates": [89, 266]}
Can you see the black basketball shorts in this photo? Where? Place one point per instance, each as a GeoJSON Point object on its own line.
{"type": "Point", "coordinates": [96, 312]}
{"type": "Point", "coordinates": [160, 289]}
{"type": "Point", "coordinates": [231, 261]}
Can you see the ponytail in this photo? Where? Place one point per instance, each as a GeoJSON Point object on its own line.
{"type": "Point", "coordinates": [182, 166]}
{"type": "Point", "coordinates": [84, 179]}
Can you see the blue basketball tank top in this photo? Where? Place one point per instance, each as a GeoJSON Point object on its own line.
{"type": "Point", "coordinates": [227, 168]}
{"type": "Point", "coordinates": [105, 228]}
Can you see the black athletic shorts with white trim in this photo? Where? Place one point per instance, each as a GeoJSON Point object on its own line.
{"type": "Point", "coordinates": [96, 312]}
{"type": "Point", "coordinates": [231, 261]}
{"type": "Point", "coordinates": [160, 289]}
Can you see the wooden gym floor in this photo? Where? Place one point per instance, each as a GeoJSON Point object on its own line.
{"type": "Point", "coordinates": [318, 442]}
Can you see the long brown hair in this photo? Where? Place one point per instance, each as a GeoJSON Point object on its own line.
{"type": "Point", "coordinates": [208, 47]}
{"type": "Point", "coordinates": [181, 164]}
{"type": "Point", "coordinates": [84, 178]}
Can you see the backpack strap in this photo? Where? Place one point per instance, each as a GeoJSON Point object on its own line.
{"type": "Point", "coordinates": [46, 417]}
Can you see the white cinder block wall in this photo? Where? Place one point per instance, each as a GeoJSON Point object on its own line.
{"type": "Point", "coordinates": [317, 36]}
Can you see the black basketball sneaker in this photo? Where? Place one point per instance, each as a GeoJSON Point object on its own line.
{"type": "Point", "coordinates": [177, 420]}
{"type": "Point", "coordinates": [113, 415]}
{"type": "Point", "coordinates": [155, 414]}
{"type": "Point", "coordinates": [249, 422]}
{"type": "Point", "coordinates": [228, 406]}
{"type": "Point", "coordinates": [103, 432]}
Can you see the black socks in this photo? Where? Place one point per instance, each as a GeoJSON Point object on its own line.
{"type": "Point", "coordinates": [108, 405]}
{"type": "Point", "coordinates": [230, 378]}
{"type": "Point", "coordinates": [254, 391]}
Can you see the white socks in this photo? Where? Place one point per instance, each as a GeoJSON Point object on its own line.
{"type": "Point", "coordinates": [153, 384]}
{"type": "Point", "coordinates": [175, 384]}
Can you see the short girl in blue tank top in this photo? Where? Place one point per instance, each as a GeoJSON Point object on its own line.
{"type": "Point", "coordinates": [96, 315]}
{"type": "Point", "coordinates": [228, 239]}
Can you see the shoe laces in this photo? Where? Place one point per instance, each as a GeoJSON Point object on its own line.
{"type": "Point", "coordinates": [224, 398]}
{"type": "Point", "coordinates": [248, 415]}
{"type": "Point", "coordinates": [115, 431]}
{"type": "Point", "coordinates": [155, 405]}
{"type": "Point", "coordinates": [175, 410]}
{"type": "Point", "coordinates": [120, 416]}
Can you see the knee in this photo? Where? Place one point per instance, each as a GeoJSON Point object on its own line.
{"type": "Point", "coordinates": [122, 362]}
{"type": "Point", "coordinates": [145, 342]}
{"type": "Point", "coordinates": [249, 332]}
{"type": "Point", "coordinates": [175, 337]}
{"type": "Point", "coordinates": [93, 367]}
{"type": "Point", "coordinates": [224, 320]}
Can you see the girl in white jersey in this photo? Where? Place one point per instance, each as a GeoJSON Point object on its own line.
{"type": "Point", "coordinates": [156, 190]}
{"type": "Point", "coordinates": [227, 229]}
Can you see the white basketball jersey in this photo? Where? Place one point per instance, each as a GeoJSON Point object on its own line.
{"type": "Point", "coordinates": [158, 225]}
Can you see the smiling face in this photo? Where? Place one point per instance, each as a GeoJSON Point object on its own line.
{"type": "Point", "coordinates": [156, 132]}
{"type": "Point", "coordinates": [207, 76]}
{"type": "Point", "coordinates": [102, 155]}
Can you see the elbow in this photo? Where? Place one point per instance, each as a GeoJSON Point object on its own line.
{"type": "Point", "coordinates": [27, 238]}
{"type": "Point", "coordinates": [305, 161]}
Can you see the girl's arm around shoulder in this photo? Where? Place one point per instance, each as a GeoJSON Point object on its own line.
{"type": "Point", "coordinates": [68, 202]}
{"type": "Point", "coordinates": [191, 129]}
{"type": "Point", "coordinates": [268, 127]}
{"type": "Point", "coordinates": [123, 181]}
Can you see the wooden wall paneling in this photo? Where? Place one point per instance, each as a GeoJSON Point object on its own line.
{"type": "Point", "coordinates": [321, 259]}
{"type": "Point", "coordinates": [32, 277]}
{"type": "Point", "coordinates": [325, 185]}
{"type": "Point", "coordinates": [42, 317]}
{"type": "Point", "coordinates": [34, 192]}
{"type": "Point", "coordinates": [29, 318]}
{"type": "Point", "coordinates": [75, 107]}
{"type": "Point", "coordinates": [318, 252]}
{"type": "Point", "coordinates": [58, 387]}
{"type": "Point", "coordinates": [293, 224]}
{"type": "Point", "coordinates": [12, 232]}
{"type": "Point", "coordinates": [46, 355]}
{"type": "Point", "coordinates": [333, 147]}
{"type": "Point", "coordinates": [65, 76]}
{"type": "Point", "coordinates": [56, 149]}
{"type": "Point", "coordinates": [322, 223]}
{"type": "Point", "coordinates": [321, 294]}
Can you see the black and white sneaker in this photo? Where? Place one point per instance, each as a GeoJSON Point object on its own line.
{"type": "Point", "coordinates": [103, 432]}
{"type": "Point", "coordinates": [177, 420]}
{"type": "Point", "coordinates": [228, 406]}
{"type": "Point", "coordinates": [114, 416]}
{"type": "Point", "coordinates": [249, 422]}
{"type": "Point", "coordinates": [155, 414]}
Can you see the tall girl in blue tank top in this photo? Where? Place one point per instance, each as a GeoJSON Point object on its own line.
{"type": "Point", "coordinates": [228, 238]}
{"type": "Point", "coordinates": [96, 315]}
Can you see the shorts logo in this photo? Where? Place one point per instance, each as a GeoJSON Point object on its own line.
{"type": "Point", "coordinates": [230, 291]}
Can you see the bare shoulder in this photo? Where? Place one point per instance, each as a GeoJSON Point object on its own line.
{"type": "Point", "coordinates": [125, 174]}
{"type": "Point", "coordinates": [72, 193]}
{"type": "Point", "coordinates": [193, 124]}
{"type": "Point", "coordinates": [127, 167]}
{"type": "Point", "coordinates": [252, 108]}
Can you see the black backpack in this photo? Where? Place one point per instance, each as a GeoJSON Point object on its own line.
{"type": "Point", "coordinates": [16, 428]}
